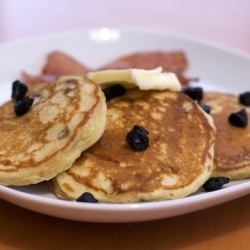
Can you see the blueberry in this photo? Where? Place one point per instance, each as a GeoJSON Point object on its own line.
{"type": "Point", "coordinates": [87, 197]}
{"type": "Point", "coordinates": [114, 91]}
{"type": "Point", "coordinates": [195, 93]}
{"type": "Point", "coordinates": [239, 118]}
{"type": "Point", "coordinates": [23, 106]}
{"type": "Point", "coordinates": [244, 98]}
{"type": "Point", "coordinates": [215, 183]}
{"type": "Point", "coordinates": [137, 138]}
{"type": "Point", "coordinates": [19, 89]}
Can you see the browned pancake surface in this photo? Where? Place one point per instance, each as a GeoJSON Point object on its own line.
{"type": "Point", "coordinates": [61, 123]}
{"type": "Point", "coordinates": [232, 147]}
{"type": "Point", "coordinates": [177, 162]}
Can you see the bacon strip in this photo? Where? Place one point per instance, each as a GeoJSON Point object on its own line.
{"type": "Point", "coordinates": [174, 61]}
{"type": "Point", "coordinates": [59, 64]}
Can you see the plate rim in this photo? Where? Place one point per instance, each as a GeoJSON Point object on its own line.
{"type": "Point", "coordinates": [145, 30]}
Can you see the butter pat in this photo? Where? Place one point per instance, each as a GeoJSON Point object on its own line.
{"type": "Point", "coordinates": [153, 79]}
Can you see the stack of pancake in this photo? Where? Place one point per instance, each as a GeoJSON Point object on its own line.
{"type": "Point", "coordinates": [184, 149]}
{"type": "Point", "coordinates": [177, 162]}
{"type": "Point", "coordinates": [76, 139]}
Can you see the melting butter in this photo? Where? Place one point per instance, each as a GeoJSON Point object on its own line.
{"type": "Point", "coordinates": [153, 79]}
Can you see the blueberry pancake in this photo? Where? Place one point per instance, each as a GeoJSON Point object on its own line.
{"type": "Point", "coordinates": [67, 116]}
{"type": "Point", "coordinates": [172, 155]}
{"type": "Point", "coordinates": [232, 147]}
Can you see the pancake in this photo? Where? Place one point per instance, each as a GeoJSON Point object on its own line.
{"type": "Point", "coordinates": [68, 115]}
{"type": "Point", "coordinates": [176, 163]}
{"type": "Point", "coordinates": [232, 148]}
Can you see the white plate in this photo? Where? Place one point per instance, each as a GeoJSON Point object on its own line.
{"type": "Point", "coordinates": [217, 67]}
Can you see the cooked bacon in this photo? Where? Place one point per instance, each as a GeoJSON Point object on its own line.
{"type": "Point", "coordinates": [59, 64]}
{"type": "Point", "coordinates": [174, 61]}
{"type": "Point", "coordinates": [33, 80]}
